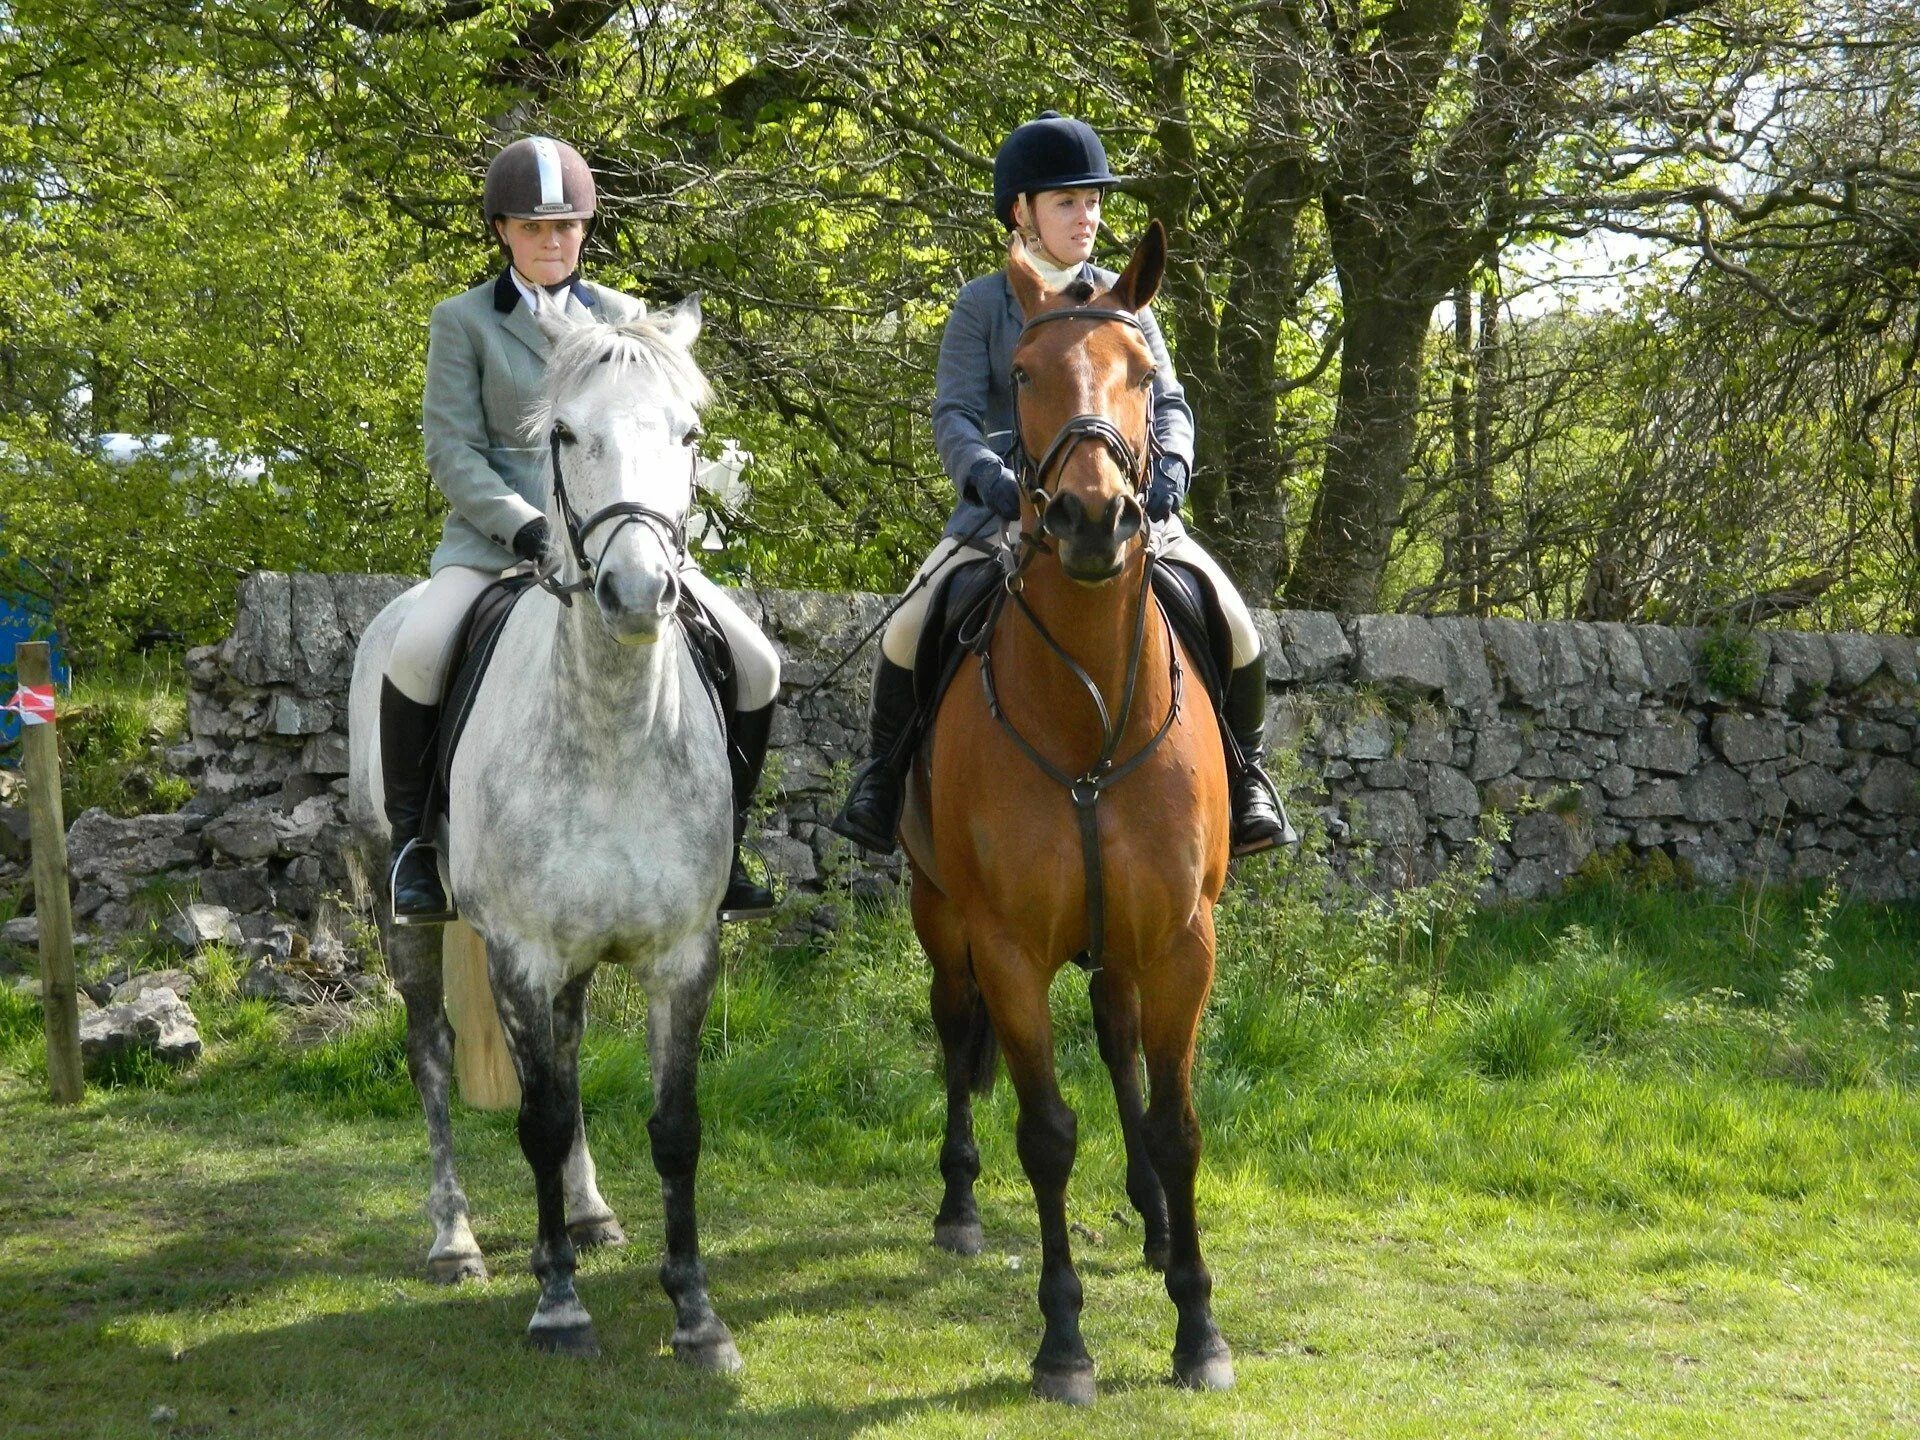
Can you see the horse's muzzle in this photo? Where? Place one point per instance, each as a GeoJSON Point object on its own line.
{"type": "Point", "coordinates": [635, 604]}
{"type": "Point", "coordinates": [1091, 545]}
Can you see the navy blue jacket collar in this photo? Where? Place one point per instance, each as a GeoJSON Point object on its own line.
{"type": "Point", "coordinates": [506, 294]}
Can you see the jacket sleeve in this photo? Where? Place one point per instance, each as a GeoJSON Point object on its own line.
{"type": "Point", "coordinates": [960, 399]}
{"type": "Point", "coordinates": [455, 430]}
{"type": "Point", "coordinates": [1172, 417]}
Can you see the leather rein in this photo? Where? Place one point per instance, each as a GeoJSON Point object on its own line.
{"type": "Point", "coordinates": [1105, 772]}
{"type": "Point", "coordinates": [672, 532]}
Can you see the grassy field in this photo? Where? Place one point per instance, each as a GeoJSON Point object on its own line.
{"type": "Point", "coordinates": [1634, 1163]}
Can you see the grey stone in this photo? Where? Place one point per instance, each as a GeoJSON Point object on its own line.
{"type": "Point", "coordinates": [298, 832]}
{"type": "Point", "coordinates": [1876, 735]}
{"type": "Point", "coordinates": [16, 833]}
{"type": "Point", "coordinates": [1898, 655]}
{"type": "Point", "coordinates": [1744, 739]}
{"type": "Point", "coordinates": [1362, 737]}
{"type": "Point", "coordinates": [1547, 836]}
{"type": "Point", "coordinates": [1715, 792]}
{"type": "Point", "coordinates": [266, 981]}
{"type": "Point", "coordinates": [1387, 817]}
{"type": "Point", "coordinates": [244, 833]}
{"type": "Point", "coordinates": [116, 854]}
{"type": "Point", "coordinates": [1855, 659]}
{"type": "Point", "coordinates": [1711, 861]}
{"type": "Point", "coordinates": [325, 755]}
{"type": "Point", "coordinates": [132, 988]}
{"type": "Point", "coordinates": [1497, 748]}
{"type": "Point", "coordinates": [1450, 792]}
{"type": "Point", "coordinates": [322, 648]}
{"type": "Point", "coordinates": [1654, 798]}
{"type": "Point", "coordinates": [298, 715]}
{"type": "Point", "coordinates": [22, 930]}
{"type": "Point", "coordinates": [158, 1022]}
{"type": "Point", "coordinates": [1469, 680]}
{"type": "Point", "coordinates": [242, 889]}
{"type": "Point", "coordinates": [1808, 657]}
{"type": "Point", "coordinates": [260, 649]}
{"type": "Point", "coordinates": [1316, 647]}
{"type": "Point", "coordinates": [1389, 774]}
{"type": "Point", "coordinates": [1515, 651]}
{"type": "Point", "coordinates": [1428, 738]}
{"type": "Point", "coordinates": [1624, 663]}
{"type": "Point", "coordinates": [1668, 658]}
{"type": "Point", "coordinates": [1615, 781]}
{"type": "Point", "coordinates": [1892, 787]}
{"type": "Point", "coordinates": [1669, 745]}
{"type": "Point", "coordinates": [789, 858]}
{"type": "Point", "coordinates": [194, 927]}
{"type": "Point", "coordinates": [1561, 656]}
{"type": "Point", "coordinates": [1400, 653]}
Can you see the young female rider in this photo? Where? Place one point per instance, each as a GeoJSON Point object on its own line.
{"type": "Point", "coordinates": [485, 362]}
{"type": "Point", "coordinates": [1048, 179]}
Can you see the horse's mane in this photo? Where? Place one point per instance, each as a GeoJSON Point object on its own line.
{"type": "Point", "coordinates": [639, 343]}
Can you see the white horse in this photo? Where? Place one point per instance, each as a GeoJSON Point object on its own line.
{"type": "Point", "coordinates": [590, 820]}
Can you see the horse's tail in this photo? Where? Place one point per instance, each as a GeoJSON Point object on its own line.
{"type": "Point", "coordinates": [981, 1055]}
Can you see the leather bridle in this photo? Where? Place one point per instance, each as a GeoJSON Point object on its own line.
{"type": "Point", "coordinates": [672, 532]}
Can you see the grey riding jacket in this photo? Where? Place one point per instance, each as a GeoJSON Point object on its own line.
{"type": "Point", "coordinates": [486, 361]}
{"type": "Point", "coordinates": [973, 415]}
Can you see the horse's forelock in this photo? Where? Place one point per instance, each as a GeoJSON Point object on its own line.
{"type": "Point", "coordinates": [638, 342]}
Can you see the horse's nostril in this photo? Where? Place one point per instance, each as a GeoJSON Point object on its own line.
{"type": "Point", "coordinates": [1064, 516]}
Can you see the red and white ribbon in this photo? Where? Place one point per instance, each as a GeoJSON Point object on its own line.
{"type": "Point", "coordinates": [33, 704]}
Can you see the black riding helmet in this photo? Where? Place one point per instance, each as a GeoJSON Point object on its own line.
{"type": "Point", "coordinates": [539, 178]}
{"type": "Point", "coordinates": [1052, 152]}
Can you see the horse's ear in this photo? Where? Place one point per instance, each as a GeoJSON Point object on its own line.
{"type": "Point", "coordinates": [1029, 290]}
{"type": "Point", "coordinates": [1140, 281]}
{"type": "Point", "coordinates": [680, 323]}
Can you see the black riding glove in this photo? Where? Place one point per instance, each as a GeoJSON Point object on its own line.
{"type": "Point", "coordinates": [530, 540]}
{"type": "Point", "coordinates": [1000, 493]}
{"type": "Point", "coordinates": [1164, 491]}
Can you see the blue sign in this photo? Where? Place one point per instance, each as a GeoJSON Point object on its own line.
{"type": "Point", "coordinates": [22, 619]}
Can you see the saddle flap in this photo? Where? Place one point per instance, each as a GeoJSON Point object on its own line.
{"type": "Point", "coordinates": [1186, 595]}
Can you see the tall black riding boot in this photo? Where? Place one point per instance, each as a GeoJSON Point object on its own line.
{"type": "Point", "coordinates": [871, 816]}
{"type": "Point", "coordinates": [1259, 816]}
{"type": "Point", "coordinates": [747, 732]}
{"type": "Point", "coordinates": [406, 755]}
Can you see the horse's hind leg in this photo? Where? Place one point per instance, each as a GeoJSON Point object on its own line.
{"type": "Point", "coordinates": [414, 956]}
{"type": "Point", "coordinates": [549, 1111]}
{"type": "Point", "coordinates": [676, 1008]}
{"type": "Point", "coordinates": [1116, 1021]}
{"type": "Point", "coordinates": [1015, 988]}
{"type": "Point", "coordinates": [590, 1220]}
{"type": "Point", "coordinates": [1169, 1021]}
{"type": "Point", "coordinates": [967, 1046]}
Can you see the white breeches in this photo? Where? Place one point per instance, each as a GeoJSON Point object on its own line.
{"type": "Point", "coordinates": [423, 648]}
{"type": "Point", "coordinates": [1170, 539]}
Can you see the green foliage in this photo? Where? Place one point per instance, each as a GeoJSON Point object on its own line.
{"type": "Point", "coordinates": [1732, 662]}
{"type": "Point", "coordinates": [114, 725]}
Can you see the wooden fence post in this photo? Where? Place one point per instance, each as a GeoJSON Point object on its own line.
{"type": "Point", "coordinates": [40, 743]}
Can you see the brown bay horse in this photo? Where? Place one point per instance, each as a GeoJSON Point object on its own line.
{"type": "Point", "coordinates": [1003, 893]}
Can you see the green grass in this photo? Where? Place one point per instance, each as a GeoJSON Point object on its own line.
{"type": "Point", "coordinates": [113, 724]}
{"type": "Point", "coordinates": [1634, 1164]}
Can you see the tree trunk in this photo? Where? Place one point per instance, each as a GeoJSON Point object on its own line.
{"type": "Point", "coordinates": [1466, 525]}
{"type": "Point", "coordinates": [1344, 549]}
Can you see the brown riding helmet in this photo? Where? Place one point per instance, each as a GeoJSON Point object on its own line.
{"type": "Point", "coordinates": [539, 179]}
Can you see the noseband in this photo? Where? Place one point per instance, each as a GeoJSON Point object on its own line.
{"type": "Point", "coordinates": [1133, 462]}
{"type": "Point", "coordinates": [672, 532]}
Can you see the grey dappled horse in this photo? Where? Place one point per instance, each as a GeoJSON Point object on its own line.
{"type": "Point", "coordinates": [590, 820]}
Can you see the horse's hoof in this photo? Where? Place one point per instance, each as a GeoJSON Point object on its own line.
{"type": "Point", "coordinates": [1205, 1372]}
{"type": "Point", "coordinates": [710, 1348]}
{"type": "Point", "coordinates": [961, 1237]}
{"type": "Point", "coordinates": [454, 1268]}
{"type": "Point", "coordinates": [587, 1234]}
{"type": "Point", "coordinates": [576, 1341]}
{"type": "Point", "coordinates": [1067, 1387]}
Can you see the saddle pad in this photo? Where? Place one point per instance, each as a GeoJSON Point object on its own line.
{"type": "Point", "coordinates": [480, 634]}
{"type": "Point", "coordinates": [960, 617]}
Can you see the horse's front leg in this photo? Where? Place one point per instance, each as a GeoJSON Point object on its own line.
{"type": "Point", "coordinates": [1116, 1021]}
{"type": "Point", "coordinates": [413, 956]}
{"type": "Point", "coordinates": [549, 1110]}
{"type": "Point", "coordinates": [1015, 988]}
{"type": "Point", "coordinates": [590, 1220]}
{"type": "Point", "coordinates": [676, 1008]}
{"type": "Point", "coordinates": [1175, 993]}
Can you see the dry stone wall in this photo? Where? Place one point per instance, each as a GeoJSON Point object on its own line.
{"type": "Point", "coordinates": [1407, 733]}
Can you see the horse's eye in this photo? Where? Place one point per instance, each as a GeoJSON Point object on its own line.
{"type": "Point", "coordinates": [694, 434]}
{"type": "Point", "coordinates": [1146, 380]}
{"type": "Point", "coordinates": [1020, 376]}
{"type": "Point", "coordinates": [563, 432]}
